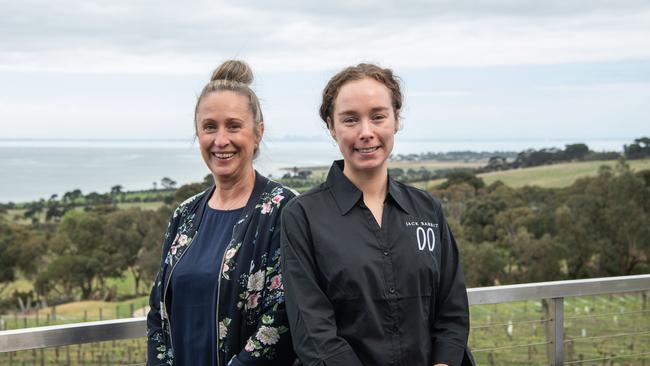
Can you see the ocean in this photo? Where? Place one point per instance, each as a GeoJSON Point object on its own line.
{"type": "Point", "coordinates": [34, 169]}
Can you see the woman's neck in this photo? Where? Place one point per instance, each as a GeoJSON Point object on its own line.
{"type": "Point", "coordinates": [231, 194]}
{"type": "Point", "coordinates": [372, 182]}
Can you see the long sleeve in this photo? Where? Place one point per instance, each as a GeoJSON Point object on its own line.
{"type": "Point", "coordinates": [158, 351]}
{"type": "Point", "coordinates": [271, 342]}
{"type": "Point", "coordinates": [311, 315]}
{"type": "Point", "coordinates": [451, 319]}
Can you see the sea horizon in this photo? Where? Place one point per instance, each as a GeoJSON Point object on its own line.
{"type": "Point", "coordinates": [39, 168]}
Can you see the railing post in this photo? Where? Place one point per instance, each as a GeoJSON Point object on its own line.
{"type": "Point", "coordinates": [556, 331]}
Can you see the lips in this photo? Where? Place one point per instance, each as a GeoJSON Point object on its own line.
{"type": "Point", "coordinates": [367, 150]}
{"type": "Point", "coordinates": [223, 155]}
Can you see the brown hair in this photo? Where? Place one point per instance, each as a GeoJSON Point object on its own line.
{"type": "Point", "coordinates": [236, 76]}
{"type": "Point", "coordinates": [361, 71]}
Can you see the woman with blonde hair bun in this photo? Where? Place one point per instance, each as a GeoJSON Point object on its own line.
{"type": "Point", "coordinates": [218, 298]}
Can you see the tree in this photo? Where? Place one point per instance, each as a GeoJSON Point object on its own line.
{"type": "Point", "coordinates": [7, 254]}
{"type": "Point", "coordinates": [604, 224]}
{"type": "Point", "coordinates": [70, 271]}
{"type": "Point", "coordinates": [454, 199]}
{"type": "Point", "coordinates": [575, 151]}
{"type": "Point", "coordinates": [478, 217]}
{"type": "Point", "coordinates": [54, 209]}
{"type": "Point", "coordinates": [168, 183]}
{"type": "Point", "coordinates": [396, 173]}
{"type": "Point", "coordinates": [72, 196]}
{"type": "Point", "coordinates": [637, 150]}
{"type": "Point", "coordinates": [148, 261]}
{"type": "Point", "coordinates": [462, 177]}
{"type": "Point", "coordinates": [81, 238]}
{"type": "Point", "coordinates": [116, 192]}
{"type": "Point", "coordinates": [34, 210]}
{"type": "Point", "coordinates": [132, 231]}
{"type": "Point", "coordinates": [186, 191]}
{"type": "Point", "coordinates": [497, 163]}
{"type": "Point", "coordinates": [492, 262]}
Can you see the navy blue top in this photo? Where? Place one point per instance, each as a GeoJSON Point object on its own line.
{"type": "Point", "coordinates": [193, 290]}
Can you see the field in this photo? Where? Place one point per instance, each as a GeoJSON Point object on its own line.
{"type": "Point", "coordinates": [557, 175]}
{"type": "Point", "coordinates": [17, 215]}
{"type": "Point", "coordinates": [596, 327]}
{"type": "Point", "coordinates": [547, 176]}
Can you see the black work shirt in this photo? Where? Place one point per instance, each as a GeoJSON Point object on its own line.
{"type": "Point", "coordinates": [361, 294]}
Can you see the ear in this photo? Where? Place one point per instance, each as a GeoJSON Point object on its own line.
{"type": "Point", "coordinates": [330, 127]}
{"type": "Point", "coordinates": [397, 121]}
{"type": "Point", "coordinates": [260, 132]}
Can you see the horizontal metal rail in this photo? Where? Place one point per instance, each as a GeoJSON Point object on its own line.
{"type": "Point", "coordinates": [557, 289]}
{"type": "Point", "coordinates": [108, 330]}
{"type": "Point", "coordinates": [67, 334]}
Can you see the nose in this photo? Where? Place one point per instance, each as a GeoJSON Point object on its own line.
{"type": "Point", "coordinates": [221, 139]}
{"type": "Point", "coordinates": [366, 130]}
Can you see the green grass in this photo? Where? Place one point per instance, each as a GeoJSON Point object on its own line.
{"type": "Point", "coordinates": [76, 312]}
{"type": "Point", "coordinates": [595, 327]}
{"type": "Point", "coordinates": [152, 206]}
{"type": "Point", "coordinates": [556, 175]}
{"type": "Point", "coordinates": [17, 215]}
{"type": "Point", "coordinates": [547, 176]}
{"type": "Point", "coordinates": [126, 352]}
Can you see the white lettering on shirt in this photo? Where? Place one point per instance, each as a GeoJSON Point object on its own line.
{"type": "Point", "coordinates": [424, 234]}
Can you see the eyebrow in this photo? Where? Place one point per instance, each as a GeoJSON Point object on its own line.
{"type": "Point", "coordinates": [376, 109]}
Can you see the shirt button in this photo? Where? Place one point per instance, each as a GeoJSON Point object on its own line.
{"type": "Point", "coordinates": [391, 290]}
{"type": "Point", "coordinates": [394, 329]}
{"type": "Point", "coordinates": [385, 252]}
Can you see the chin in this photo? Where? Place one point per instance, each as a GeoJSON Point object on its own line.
{"type": "Point", "coordinates": [223, 172]}
{"type": "Point", "coordinates": [367, 164]}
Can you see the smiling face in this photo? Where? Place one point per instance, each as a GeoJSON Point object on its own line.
{"type": "Point", "coordinates": [227, 135]}
{"type": "Point", "coordinates": [364, 125]}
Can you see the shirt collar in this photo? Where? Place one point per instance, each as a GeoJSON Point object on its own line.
{"type": "Point", "coordinates": [346, 194]}
{"type": "Point", "coordinates": [397, 192]}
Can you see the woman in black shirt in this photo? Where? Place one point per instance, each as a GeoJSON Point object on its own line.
{"type": "Point", "coordinates": [371, 270]}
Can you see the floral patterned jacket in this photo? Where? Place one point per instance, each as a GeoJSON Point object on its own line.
{"type": "Point", "coordinates": [253, 326]}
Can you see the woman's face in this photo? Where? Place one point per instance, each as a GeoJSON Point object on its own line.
{"type": "Point", "coordinates": [364, 125]}
{"type": "Point", "coordinates": [227, 135]}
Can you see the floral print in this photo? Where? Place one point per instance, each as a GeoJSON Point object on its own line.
{"type": "Point", "coordinates": [229, 261]}
{"type": "Point", "coordinates": [250, 274]}
{"type": "Point", "coordinates": [266, 336]}
{"type": "Point", "coordinates": [276, 282]}
{"type": "Point", "coordinates": [271, 200]}
{"type": "Point", "coordinates": [256, 281]}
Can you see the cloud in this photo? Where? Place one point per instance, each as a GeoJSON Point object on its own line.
{"type": "Point", "coordinates": [190, 37]}
{"type": "Point", "coordinates": [620, 88]}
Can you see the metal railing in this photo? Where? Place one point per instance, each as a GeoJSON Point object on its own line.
{"type": "Point", "coordinates": [99, 331]}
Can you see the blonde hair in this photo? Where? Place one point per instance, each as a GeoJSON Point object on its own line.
{"type": "Point", "coordinates": [236, 76]}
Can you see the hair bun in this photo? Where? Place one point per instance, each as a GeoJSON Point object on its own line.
{"type": "Point", "coordinates": [233, 70]}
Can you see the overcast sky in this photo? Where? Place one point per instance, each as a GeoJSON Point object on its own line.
{"type": "Point", "coordinates": [471, 69]}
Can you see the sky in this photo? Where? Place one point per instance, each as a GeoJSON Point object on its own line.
{"type": "Point", "coordinates": [493, 69]}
